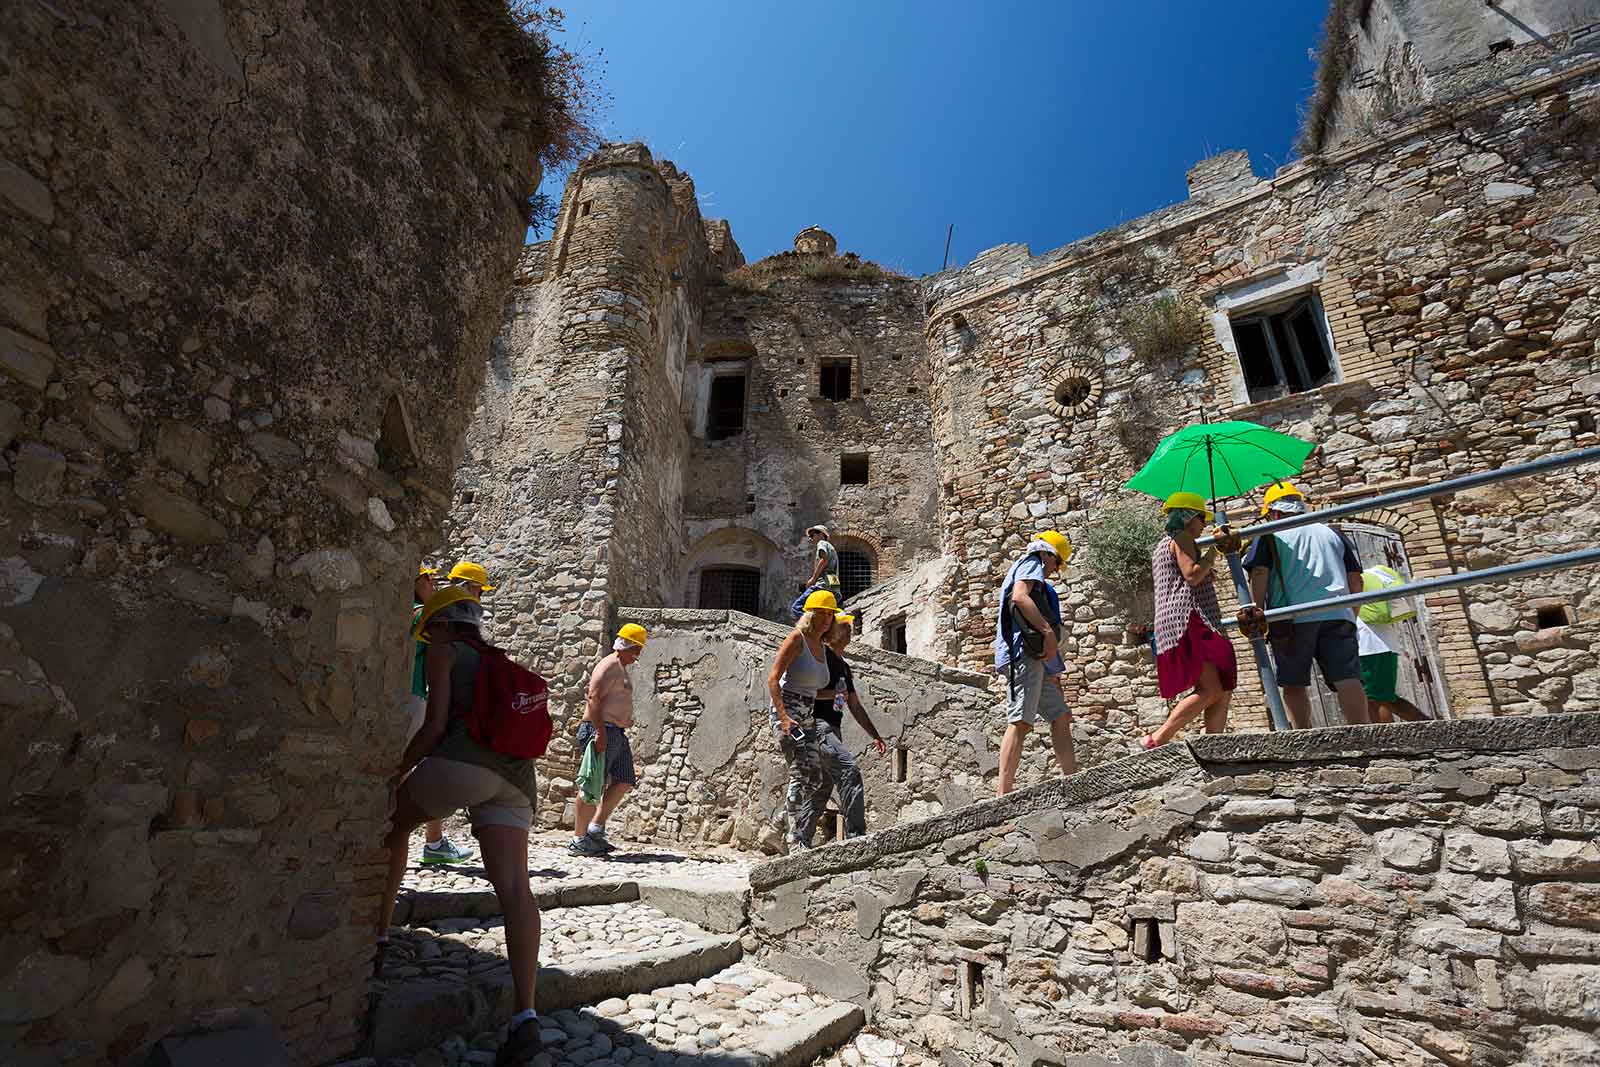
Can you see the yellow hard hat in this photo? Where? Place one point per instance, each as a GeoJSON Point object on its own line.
{"type": "Point", "coordinates": [1190, 501]}
{"type": "Point", "coordinates": [1057, 542]}
{"type": "Point", "coordinates": [425, 571]}
{"type": "Point", "coordinates": [450, 594]}
{"type": "Point", "coordinates": [848, 620]}
{"type": "Point", "coordinates": [822, 600]}
{"type": "Point", "coordinates": [470, 572]}
{"type": "Point", "coordinates": [1277, 492]}
{"type": "Point", "coordinates": [635, 633]}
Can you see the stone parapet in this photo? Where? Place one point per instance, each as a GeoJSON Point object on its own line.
{"type": "Point", "coordinates": [1409, 892]}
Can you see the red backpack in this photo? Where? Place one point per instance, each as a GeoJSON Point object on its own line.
{"type": "Point", "coordinates": [510, 711]}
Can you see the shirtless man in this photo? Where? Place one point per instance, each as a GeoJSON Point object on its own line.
{"type": "Point", "coordinates": [608, 713]}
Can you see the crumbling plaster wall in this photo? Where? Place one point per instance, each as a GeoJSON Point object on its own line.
{"type": "Point", "coordinates": [782, 474]}
{"type": "Point", "coordinates": [1420, 893]}
{"type": "Point", "coordinates": [1458, 266]}
{"type": "Point", "coordinates": [239, 329]}
{"type": "Point", "coordinates": [710, 768]}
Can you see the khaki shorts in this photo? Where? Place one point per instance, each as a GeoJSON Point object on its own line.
{"type": "Point", "coordinates": [441, 786]}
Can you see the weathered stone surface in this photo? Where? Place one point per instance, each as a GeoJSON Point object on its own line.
{"type": "Point", "coordinates": [1089, 845]}
{"type": "Point", "coordinates": [1407, 849]}
{"type": "Point", "coordinates": [256, 1046]}
{"type": "Point", "coordinates": [1476, 854]}
{"type": "Point", "coordinates": [1556, 859]}
{"type": "Point", "coordinates": [174, 514]}
{"type": "Point", "coordinates": [1485, 902]}
{"type": "Point", "coordinates": [1566, 904]}
{"type": "Point", "coordinates": [38, 473]}
{"type": "Point", "coordinates": [25, 359]}
{"type": "Point", "coordinates": [185, 448]}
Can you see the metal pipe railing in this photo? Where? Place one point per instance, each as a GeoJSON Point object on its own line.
{"type": "Point", "coordinates": [1419, 492]}
{"type": "Point", "coordinates": [1431, 585]}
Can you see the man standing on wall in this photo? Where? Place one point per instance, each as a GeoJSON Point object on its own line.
{"type": "Point", "coordinates": [436, 848]}
{"type": "Point", "coordinates": [824, 570]}
{"type": "Point", "coordinates": [1298, 566]}
{"type": "Point", "coordinates": [608, 713]}
{"type": "Point", "coordinates": [1027, 654]}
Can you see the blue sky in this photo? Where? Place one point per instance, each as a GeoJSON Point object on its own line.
{"type": "Point", "coordinates": [884, 121]}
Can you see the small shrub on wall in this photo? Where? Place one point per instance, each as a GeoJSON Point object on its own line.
{"type": "Point", "coordinates": [1116, 553]}
{"type": "Point", "coordinates": [1161, 327]}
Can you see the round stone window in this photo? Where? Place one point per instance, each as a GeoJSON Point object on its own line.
{"type": "Point", "coordinates": [1073, 393]}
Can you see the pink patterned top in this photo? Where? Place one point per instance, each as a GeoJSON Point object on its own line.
{"type": "Point", "coordinates": [1176, 599]}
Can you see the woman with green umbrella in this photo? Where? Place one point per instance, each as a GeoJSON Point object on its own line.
{"type": "Point", "coordinates": [1191, 651]}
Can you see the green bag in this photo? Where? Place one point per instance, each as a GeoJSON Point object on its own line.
{"type": "Point", "coordinates": [592, 774]}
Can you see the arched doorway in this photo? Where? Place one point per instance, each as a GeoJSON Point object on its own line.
{"type": "Point", "coordinates": [735, 569]}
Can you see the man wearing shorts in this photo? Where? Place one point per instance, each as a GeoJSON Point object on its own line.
{"type": "Point", "coordinates": [1299, 566]}
{"type": "Point", "coordinates": [607, 717]}
{"type": "Point", "coordinates": [436, 848]}
{"type": "Point", "coordinates": [1033, 684]}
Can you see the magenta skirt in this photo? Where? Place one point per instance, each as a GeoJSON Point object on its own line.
{"type": "Point", "coordinates": [1178, 669]}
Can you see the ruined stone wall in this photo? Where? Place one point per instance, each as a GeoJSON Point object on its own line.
{"type": "Point", "coordinates": [1419, 894]}
{"type": "Point", "coordinates": [1456, 268]}
{"type": "Point", "coordinates": [239, 329]}
{"type": "Point", "coordinates": [782, 473]}
{"type": "Point", "coordinates": [571, 487]}
{"type": "Point", "coordinates": [710, 768]}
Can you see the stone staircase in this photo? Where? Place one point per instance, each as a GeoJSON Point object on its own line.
{"type": "Point", "coordinates": [642, 965]}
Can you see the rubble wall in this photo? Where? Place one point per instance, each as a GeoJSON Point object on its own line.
{"type": "Point", "coordinates": [1406, 894]}
{"type": "Point", "coordinates": [709, 763]}
{"type": "Point", "coordinates": [782, 474]}
{"type": "Point", "coordinates": [240, 327]}
{"type": "Point", "coordinates": [570, 491]}
{"type": "Point", "coordinates": [1456, 265]}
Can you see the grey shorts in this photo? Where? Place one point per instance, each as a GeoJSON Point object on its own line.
{"type": "Point", "coordinates": [1031, 695]}
{"type": "Point", "coordinates": [441, 786]}
{"type": "Point", "coordinates": [619, 754]}
{"type": "Point", "coordinates": [1332, 643]}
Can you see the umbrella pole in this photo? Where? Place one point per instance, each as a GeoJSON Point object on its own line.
{"type": "Point", "coordinates": [1258, 645]}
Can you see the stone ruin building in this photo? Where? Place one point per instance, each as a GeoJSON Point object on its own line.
{"type": "Point", "coordinates": [243, 391]}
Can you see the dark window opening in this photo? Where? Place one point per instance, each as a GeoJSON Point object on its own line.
{"type": "Point", "coordinates": [584, 210]}
{"type": "Point", "coordinates": [835, 379]}
{"type": "Point", "coordinates": [855, 573]}
{"type": "Point", "coordinates": [397, 450]}
{"type": "Point", "coordinates": [1496, 47]}
{"type": "Point", "coordinates": [853, 468]}
{"type": "Point", "coordinates": [894, 635]}
{"type": "Point", "coordinates": [1284, 352]}
{"type": "Point", "coordinates": [1147, 940]}
{"type": "Point", "coordinates": [1585, 422]}
{"type": "Point", "coordinates": [1552, 617]}
{"type": "Point", "coordinates": [731, 589]}
{"type": "Point", "coordinates": [972, 993]}
{"type": "Point", "coordinates": [902, 763]}
{"type": "Point", "coordinates": [468, 497]}
{"type": "Point", "coordinates": [725, 409]}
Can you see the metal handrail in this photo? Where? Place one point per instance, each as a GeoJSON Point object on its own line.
{"type": "Point", "coordinates": [1431, 585]}
{"type": "Point", "coordinates": [1241, 584]}
{"type": "Point", "coordinates": [1419, 492]}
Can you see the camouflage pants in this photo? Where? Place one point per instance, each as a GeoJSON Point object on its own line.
{"type": "Point", "coordinates": [806, 776]}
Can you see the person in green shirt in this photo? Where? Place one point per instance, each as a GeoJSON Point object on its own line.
{"type": "Point", "coordinates": [436, 848]}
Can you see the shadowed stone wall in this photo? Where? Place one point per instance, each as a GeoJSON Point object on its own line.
{"type": "Point", "coordinates": [254, 259]}
{"type": "Point", "coordinates": [1418, 894]}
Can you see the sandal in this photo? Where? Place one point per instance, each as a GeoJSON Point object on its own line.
{"type": "Point", "coordinates": [521, 1046]}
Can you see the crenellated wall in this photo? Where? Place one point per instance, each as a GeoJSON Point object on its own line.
{"type": "Point", "coordinates": [1420, 893]}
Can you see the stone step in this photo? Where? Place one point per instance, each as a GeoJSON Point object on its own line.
{"type": "Point", "coordinates": [718, 903]}
{"type": "Point", "coordinates": [739, 1016]}
{"type": "Point", "coordinates": [414, 1014]}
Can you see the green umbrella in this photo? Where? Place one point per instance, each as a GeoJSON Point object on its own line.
{"type": "Point", "coordinates": [1220, 459]}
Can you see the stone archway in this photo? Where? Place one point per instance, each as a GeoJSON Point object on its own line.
{"type": "Point", "coordinates": [722, 564]}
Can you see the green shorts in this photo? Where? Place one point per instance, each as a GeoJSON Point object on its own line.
{"type": "Point", "coordinates": [1378, 676]}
